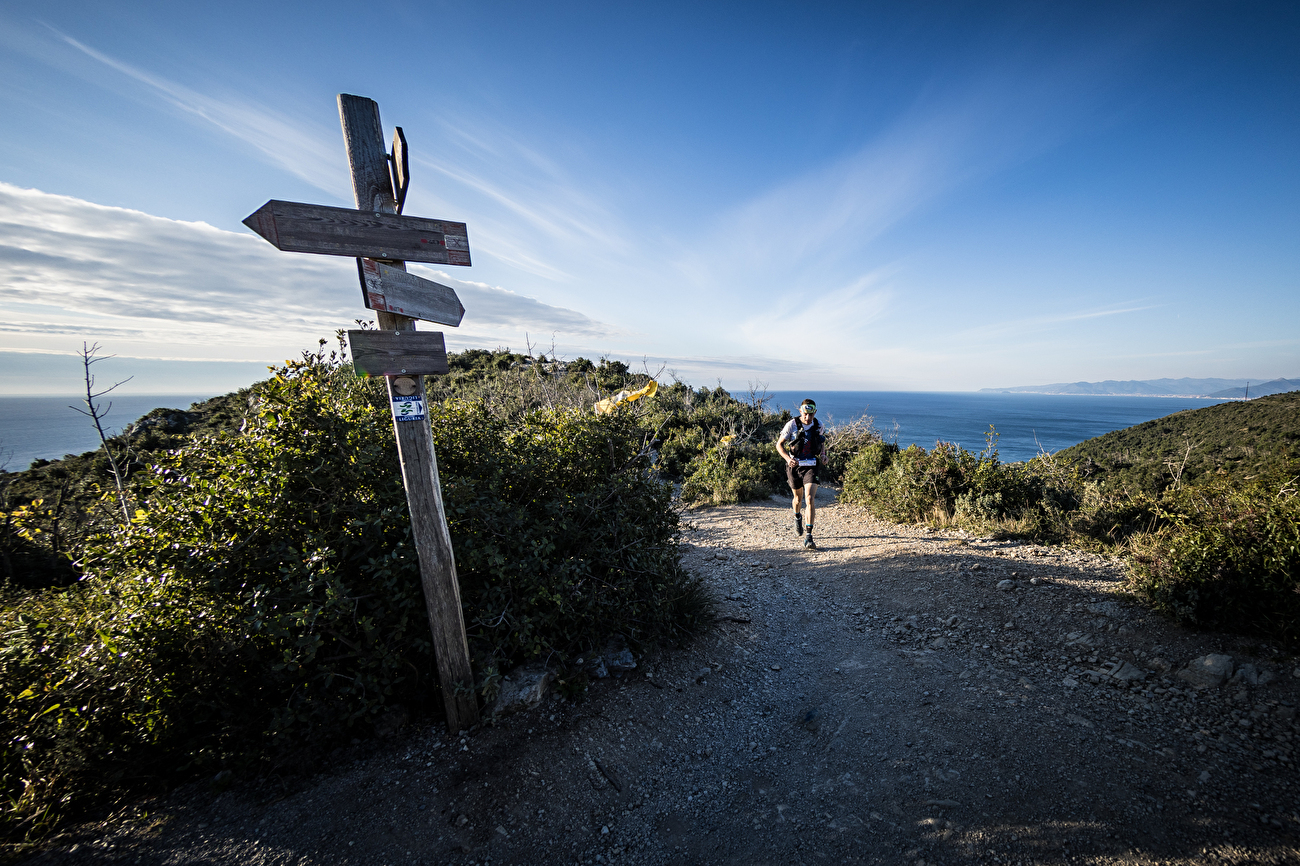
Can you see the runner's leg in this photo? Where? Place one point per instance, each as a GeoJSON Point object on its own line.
{"type": "Point", "coordinates": [810, 493]}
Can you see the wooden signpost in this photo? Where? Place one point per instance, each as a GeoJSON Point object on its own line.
{"type": "Point", "coordinates": [341, 231]}
{"type": "Point", "coordinates": [398, 353]}
{"type": "Point", "coordinates": [373, 232]}
{"type": "Point", "coordinates": [391, 290]}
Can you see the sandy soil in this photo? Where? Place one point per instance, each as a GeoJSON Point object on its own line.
{"type": "Point", "coordinates": [880, 700]}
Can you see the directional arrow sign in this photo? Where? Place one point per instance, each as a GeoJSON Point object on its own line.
{"type": "Point", "coordinates": [340, 231]}
{"type": "Point", "coordinates": [396, 353]}
{"type": "Point", "coordinates": [391, 290]}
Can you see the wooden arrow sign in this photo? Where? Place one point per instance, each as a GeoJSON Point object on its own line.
{"type": "Point", "coordinates": [340, 231]}
{"type": "Point", "coordinates": [391, 290]}
{"type": "Point", "coordinates": [397, 353]}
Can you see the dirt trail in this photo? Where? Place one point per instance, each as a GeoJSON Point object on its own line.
{"type": "Point", "coordinates": [880, 700]}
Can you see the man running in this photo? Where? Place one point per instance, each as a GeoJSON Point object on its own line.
{"type": "Point", "coordinates": [807, 447]}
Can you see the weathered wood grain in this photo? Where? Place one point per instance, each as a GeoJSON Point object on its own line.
{"type": "Point", "coordinates": [370, 181]}
{"type": "Point", "coordinates": [395, 291]}
{"type": "Point", "coordinates": [339, 231]}
{"type": "Point", "coordinates": [363, 137]}
{"type": "Point", "coordinates": [398, 353]}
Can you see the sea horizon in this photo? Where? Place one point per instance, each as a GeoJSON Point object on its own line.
{"type": "Point", "coordinates": [46, 427]}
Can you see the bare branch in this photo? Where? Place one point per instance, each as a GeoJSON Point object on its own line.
{"type": "Point", "coordinates": [97, 414]}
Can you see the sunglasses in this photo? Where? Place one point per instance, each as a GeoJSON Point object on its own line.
{"type": "Point", "coordinates": [808, 410]}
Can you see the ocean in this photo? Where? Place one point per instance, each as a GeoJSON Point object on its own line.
{"type": "Point", "coordinates": [1023, 422]}
{"type": "Point", "coordinates": [45, 427]}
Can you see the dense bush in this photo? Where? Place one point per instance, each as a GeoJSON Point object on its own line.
{"type": "Point", "coordinates": [1228, 558]}
{"type": "Point", "coordinates": [727, 473]}
{"type": "Point", "coordinates": [913, 484]}
{"type": "Point", "coordinates": [266, 595]}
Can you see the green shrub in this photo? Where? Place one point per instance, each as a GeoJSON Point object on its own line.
{"type": "Point", "coordinates": [1228, 559]}
{"type": "Point", "coordinates": [727, 474]}
{"type": "Point", "coordinates": [843, 443]}
{"type": "Point", "coordinates": [950, 484]}
{"type": "Point", "coordinates": [266, 596]}
{"type": "Point", "coordinates": [111, 686]}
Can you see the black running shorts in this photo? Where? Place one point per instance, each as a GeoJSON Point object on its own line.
{"type": "Point", "coordinates": [799, 476]}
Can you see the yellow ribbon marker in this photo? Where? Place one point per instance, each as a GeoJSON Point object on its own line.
{"type": "Point", "coordinates": [604, 407]}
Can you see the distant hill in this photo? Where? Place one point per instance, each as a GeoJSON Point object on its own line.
{"type": "Point", "coordinates": [1261, 389]}
{"type": "Point", "coordinates": [1243, 438]}
{"type": "Point", "coordinates": [1137, 388]}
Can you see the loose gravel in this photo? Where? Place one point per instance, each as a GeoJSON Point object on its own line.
{"type": "Point", "coordinates": [896, 696]}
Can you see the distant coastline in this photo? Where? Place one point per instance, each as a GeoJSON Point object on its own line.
{"type": "Point", "coordinates": [1215, 389]}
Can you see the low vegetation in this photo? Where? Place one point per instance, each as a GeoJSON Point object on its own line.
{"type": "Point", "coordinates": [264, 599]}
{"type": "Point", "coordinates": [1215, 548]}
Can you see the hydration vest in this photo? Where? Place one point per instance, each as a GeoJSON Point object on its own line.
{"type": "Point", "coordinates": [806, 443]}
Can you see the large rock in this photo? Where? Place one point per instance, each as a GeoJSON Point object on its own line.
{"type": "Point", "coordinates": [521, 689]}
{"type": "Point", "coordinates": [1207, 672]}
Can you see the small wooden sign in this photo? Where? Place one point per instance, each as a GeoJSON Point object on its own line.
{"type": "Point", "coordinates": [401, 168]}
{"type": "Point", "coordinates": [340, 231]}
{"type": "Point", "coordinates": [391, 290]}
{"type": "Point", "coordinates": [397, 353]}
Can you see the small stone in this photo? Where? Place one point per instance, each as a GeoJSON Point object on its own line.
{"type": "Point", "coordinates": [937, 643]}
{"type": "Point", "coordinates": [1006, 585]}
{"type": "Point", "coordinates": [461, 820]}
{"type": "Point", "coordinates": [619, 661]}
{"type": "Point", "coordinates": [1204, 777]}
{"type": "Point", "coordinates": [1285, 712]}
{"type": "Point", "coordinates": [702, 673]}
{"type": "Point", "coordinates": [1035, 581]}
{"type": "Point", "coordinates": [502, 830]}
{"type": "Point", "coordinates": [776, 667]}
{"type": "Point", "coordinates": [1247, 674]}
{"type": "Point", "coordinates": [1126, 672]}
{"type": "Point", "coordinates": [521, 689]}
{"type": "Point", "coordinates": [604, 831]}
{"type": "Point", "coordinates": [1208, 671]}
{"type": "Point", "coordinates": [1070, 683]}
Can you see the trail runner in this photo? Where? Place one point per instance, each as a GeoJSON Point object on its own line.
{"type": "Point", "coordinates": [803, 447]}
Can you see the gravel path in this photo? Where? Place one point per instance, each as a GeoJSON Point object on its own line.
{"type": "Point", "coordinates": [880, 700]}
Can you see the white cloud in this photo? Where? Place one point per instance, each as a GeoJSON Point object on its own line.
{"type": "Point", "coordinates": [153, 287]}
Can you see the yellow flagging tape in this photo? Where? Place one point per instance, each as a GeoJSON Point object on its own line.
{"type": "Point", "coordinates": [604, 407]}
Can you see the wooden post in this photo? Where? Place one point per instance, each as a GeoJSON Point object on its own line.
{"type": "Point", "coordinates": [372, 185]}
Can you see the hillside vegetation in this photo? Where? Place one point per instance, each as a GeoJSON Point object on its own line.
{"type": "Point", "coordinates": [1241, 439]}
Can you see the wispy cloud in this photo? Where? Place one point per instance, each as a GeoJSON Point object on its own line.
{"type": "Point", "coordinates": [292, 143]}
{"type": "Point", "coordinates": [1038, 324]}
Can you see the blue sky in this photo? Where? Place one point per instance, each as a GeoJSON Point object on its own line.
{"type": "Point", "coordinates": [927, 196]}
